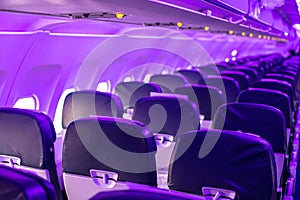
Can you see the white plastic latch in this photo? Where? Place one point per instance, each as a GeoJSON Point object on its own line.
{"type": "Point", "coordinates": [103, 178]}
{"type": "Point", "coordinates": [163, 140]}
{"type": "Point", "coordinates": [218, 193]}
{"type": "Point", "coordinates": [9, 160]}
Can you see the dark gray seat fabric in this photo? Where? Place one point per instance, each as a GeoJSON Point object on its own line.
{"type": "Point", "coordinates": [224, 159]}
{"type": "Point", "coordinates": [228, 86]}
{"type": "Point", "coordinates": [18, 185]}
{"type": "Point", "coordinates": [207, 98]}
{"type": "Point", "coordinates": [283, 77]}
{"type": "Point", "coordinates": [240, 77]}
{"type": "Point", "coordinates": [167, 115]}
{"type": "Point", "coordinates": [168, 82]}
{"type": "Point", "coordinates": [86, 103]}
{"type": "Point", "coordinates": [253, 76]}
{"type": "Point", "coordinates": [278, 85]}
{"type": "Point", "coordinates": [112, 144]}
{"type": "Point", "coordinates": [209, 70]}
{"type": "Point", "coordinates": [130, 92]}
{"type": "Point", "coordinates": [263, 120]}
{"type": "Point", "coordinates": [273, 98]}
{"type": "Point", "coordinates": [30, 136]}
{"type": "Point", "coordinates": [193, 76]}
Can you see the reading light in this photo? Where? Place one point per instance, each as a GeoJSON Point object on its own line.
{"type": "Point", "coordinates": [120, 15]}
{"type": "Point", "coordinates": [259, 36]}
{"type": "Point", "coordinates": [250, 35]}
{"type": "Point", "coordinates": [265, 37]}
{"type": "Point", "coordinates": [179, 24]}
{"type": "Point", "coordinates": [206, 28]}
{"type": "Point", "coordinates": [227, 60]}
{"type": "Point", "coordinates": [230, 32]}
{"type": "Point", "coordinates": [234, 52]}
{"type": "Point", "coordinates": [285, 33]}
{"type": "Point", "coordinates": [296, 26]}
{"type": "Point", "coordinates": [243, 33]}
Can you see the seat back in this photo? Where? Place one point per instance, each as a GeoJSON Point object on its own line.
{"type": "Point", "coordinates": [269, 97]}
{"type": "Point", "coordinates": [240, 162]}
{"type": "Point", "coordinates": [192, 76]}
{"type": "Point", "coordinates": [86, 103]}
{"type": "Point", "coordinates": [240, 77]}
{"type": "Point", "coordinates": [228, 86]}
{"type": "Point", "coordinates": [130, 92]}
{"type": "Point", "coordinates": [29, 137]}
{"type": "Point", "coordinates": [278, 85]}
{"type": "Point", "coordinates": [17, 184]}
{"type": "Point", "coordinates": [207, 98]}
{"type": "Point", "coordinates": [263, 120]}
{"type": "Point", "coordinates": [168, 82]}
{"type": "Point", "coordinates": [209, 70]}
{"type": "Point", "coordinates": [253, 76]}
{"type": "Point", "coordinates": [168, 115]}
{"type": "Point", "coordinates": [102, 151]}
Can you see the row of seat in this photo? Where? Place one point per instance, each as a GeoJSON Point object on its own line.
{"type": "Point", "coordinates": [96, 149]}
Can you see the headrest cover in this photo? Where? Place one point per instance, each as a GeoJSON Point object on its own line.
{"type": "Point", "coordinates": [207, 98]}
{"type": "Point", "coordinates": [239, 162]}
{"type": "Point", "coordinates": [81, 104]}
{"type": "Point", "coordinates": [263, 120]}
{"type": "Point", "coordinates": [111, 144]}
{"type": "Point", "coordinates": [168, 115]}
{"type": "Point", "coordinates": [130, 92]}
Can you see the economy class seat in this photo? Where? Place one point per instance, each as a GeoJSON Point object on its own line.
{"type": "Point", "coordinates": [228, 86]}
{"type": "Point", "coordinates": [168, 82]}
{"type": "Point", "coordinates": [87, 103]}
{"type": "Point", "coordinates": [104, 153]}
{"type": "Point", "coordinates": [27, 143]}
{"type": "Point", "coordinates": [21, 185]}
{"type": "Point", "coordinates": [278, 85]}
{"type": "Point", "coordinates": [193, 76]}
{"type": "Point", "coordinates": [207, 98]}
{"type": "Point", "coordinates": [283, 77]}
{"type": "Point", "coordinates": [130, 92]}
{"type": "Point", "coordinates": [237, 165]}
{"type": "Point", "coordinates": [167, 117]}
{"type": "Point", "coordinates": [209, 70]}
{"type": "Point", "coordinates": [240, 77]}
{"type": "Point", "coordinates": [253, 76]}
{"type": "Point", "coordinates": [263, 120]}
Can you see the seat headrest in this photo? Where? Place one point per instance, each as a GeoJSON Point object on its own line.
{"type": "Point", "coordinates": [273, 98]}
{"type": "Point", "coordinates": [169, 81]}
{"type": "Point", "coordinates": [130, 92]}
{"type": "Point", "coordinates": [169, 115]}
{"type": "Point", "coordinates": [207, 98]}
{"type": "Point", "coordinates": [223, 159]}
{"type": "Point", "coordinates": [86, 103]}
{"type": "Point", "coordinates": [263, 120]}
{"type": "Point", "coordinates": [111, 144]}
{"type": "Point", "coordinates": [193, 76]}
{"type": "Point", "coordinates": [227, 85]}
{"type": "Point", "coordinates": [28, 135]}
